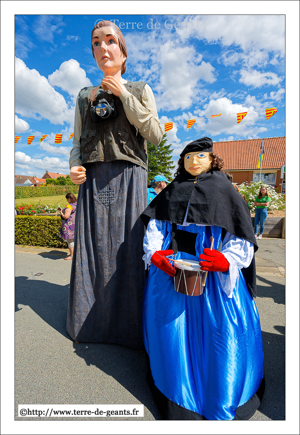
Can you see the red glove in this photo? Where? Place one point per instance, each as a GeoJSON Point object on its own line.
{"type": "Point", "coordinates": [214, 261]}
{"type": "Point", "coordinates": [159, 260]}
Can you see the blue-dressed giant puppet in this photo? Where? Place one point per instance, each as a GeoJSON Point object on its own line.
{"type": "Point", "coordinates": [205, 352]}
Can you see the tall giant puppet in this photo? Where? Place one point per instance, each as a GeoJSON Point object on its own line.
{"type": "Point", "coordinates": [201, 326]}
{"type": "Point", "coordinates": [113, 122]}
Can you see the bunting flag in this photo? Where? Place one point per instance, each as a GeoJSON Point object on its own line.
{"type": "Point", "coordinates": [30, 139]}
{"type": "Point", "coordinates": [213, 116]}
{"type": "Point", "coordinates": [241, 116]}
{"type": "Point", "coordinates": [58, 138]}
{"type": "Point", "coordinates": [43, 137]}
{"type": "Point", "coordinates": [190, 122]}
{"type": "Point", "coordinates": [17, 138]}
{"type": "Point", "coordinates": [71, 135]}
{"type": "Point", "coordinates": [270, 112]}
{"type": "Point", "coordinates": [168, 126]}
{"type": "Point", "coordinates": [262, 151]}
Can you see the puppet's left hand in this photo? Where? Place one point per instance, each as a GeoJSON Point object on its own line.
{"type": "Point", "coordinates": [213, 261]}
{"type": "Point", "coordinates": [113, 84]}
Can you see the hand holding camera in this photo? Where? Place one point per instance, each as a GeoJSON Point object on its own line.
{"type": "Point", "coordinates": [113, 84]}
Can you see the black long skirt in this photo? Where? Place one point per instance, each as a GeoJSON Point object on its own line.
{"type": "Point", "coordinates": [108, 273]}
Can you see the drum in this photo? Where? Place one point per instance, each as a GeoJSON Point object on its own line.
{"type": "Point", "coordinates": [189, 277]}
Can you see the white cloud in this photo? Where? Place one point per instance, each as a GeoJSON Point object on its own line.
{"type": "Point", "coordinates": [35, 97]}
{"type": "Point", "coordinates": [70, 77]}
{"type": "Point", "coordinates": [40, 166]}
{"type": "Point", "coordinates": [227, 122]}
{"type": "Point", "coordinates": [21, 157]}
{"type": "Point", "coordinates": [46, 26]}
{"type": "Point", "coordinates": [180, 76]}
{"type": "Point", "coordinates": [20, 125]}
{"type": "Point", "coordinates": [63, 151]}
{"type": "Point", "coordinates": [174, 70]}
{"type": "Point", "coordinates": [262, 32]}
{"type": "Point", "coordinates": [73, 38]}
{"type": "Point", "coordinates": [275, 95]}
{"type": "Point", "coordinates": [257, 79]}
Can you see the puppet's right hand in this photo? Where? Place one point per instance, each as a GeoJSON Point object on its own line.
{"type": "Point", "coordinates": [78, 174]}
{"type": "Point", "coordinates": [159, 260]}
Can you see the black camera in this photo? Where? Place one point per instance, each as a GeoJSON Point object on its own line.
{"type": "Point", "coordinates": [101, 110]}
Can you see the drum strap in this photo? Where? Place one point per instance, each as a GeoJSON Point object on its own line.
{"type": "Point", "coordinates": [183, 241]}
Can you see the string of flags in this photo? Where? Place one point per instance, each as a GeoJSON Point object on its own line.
{"type": "Point", "coordinates": [57, 140]}
{"type": "Point", "coordinates": [240, 116]}
{"type": "Point", "coordinates": [167, 126]}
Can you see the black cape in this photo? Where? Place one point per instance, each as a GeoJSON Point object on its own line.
{"type": "Point", "coordinates": [211, 199]}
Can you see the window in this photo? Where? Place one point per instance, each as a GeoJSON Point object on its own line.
{"type": "Point", "coordinates": [265, 177]}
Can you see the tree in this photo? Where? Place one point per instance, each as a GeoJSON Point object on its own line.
{"type": "Point", "coordinates": [51, 181]}
{"type": "Point", "coordinates": [61, 180]}
{"type": "Point", "coordinates": [69, 181]}
{"type": "Point", "coordinates": [160, 160]}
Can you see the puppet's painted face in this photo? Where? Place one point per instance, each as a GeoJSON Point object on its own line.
{"type": "Point", "coordinates": [197, 163]}
{"type": "Point", "coordinates": [107, 52]}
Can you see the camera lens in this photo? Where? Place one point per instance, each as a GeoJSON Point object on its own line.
{"type": "Point", "coordinates": [102, 110]}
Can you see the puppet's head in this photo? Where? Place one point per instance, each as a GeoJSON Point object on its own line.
{"type": "Point", "coordinates": [116, 32]}
{"type": "Point", "coordinates": [198, 157]}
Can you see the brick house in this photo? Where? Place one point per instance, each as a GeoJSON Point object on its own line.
{"type": "Point", "coordinates": [39, 181]}
{"type": "Point", "coordinates": [241, 157]}
{"type": "Point", "coordinates": [24, 180]}
{"type": "Point", "coordinates": [53, 175]}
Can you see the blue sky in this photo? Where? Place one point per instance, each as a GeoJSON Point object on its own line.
{"type": "Point", "coordinates": [197, 65]}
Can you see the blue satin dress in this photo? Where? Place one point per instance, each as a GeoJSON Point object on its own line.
{"type": "Point", "coordinates": [205, 352]}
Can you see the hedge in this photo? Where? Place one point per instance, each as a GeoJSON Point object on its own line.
{"type": "Point", "coordinates": [34, 192]}
{"type": "Point", "coordinates": [39, 231]}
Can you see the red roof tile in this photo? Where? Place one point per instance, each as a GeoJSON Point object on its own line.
{"type": "Point", "coordinates": [54, 175]}
{"type": "Point", "coordinates": [244, 154]}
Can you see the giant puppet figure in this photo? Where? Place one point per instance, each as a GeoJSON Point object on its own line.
{"type": "Point", "coordinates": [113, 122]}
{"type": "Point", "coordinates": [203, 338]}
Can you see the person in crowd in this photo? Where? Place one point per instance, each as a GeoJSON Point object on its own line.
{"type": "Point", "coordinates": [113, 122]}
{"type": "Point", "coordinates": [203, 338]}
{"type": "Point", "coordinates": [230, 178]}
{"type": "Point", "coordinates": [262, 202]}
{"type": "Point", "coordinates": [159, 182]}
{"type": "Point", "coordinates": [68, 223]}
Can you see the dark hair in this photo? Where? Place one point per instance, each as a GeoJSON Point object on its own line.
{"type": "Point", "coordinates": [121, 39]}
{"type": "Point", "coordinates": [260, 194]}
{"type": "Point", "coordinates": [216, 164]}
{"type": "Point", "coordinates": [229, 176]}
{"type": "Point", "coordinates": [71, 197]}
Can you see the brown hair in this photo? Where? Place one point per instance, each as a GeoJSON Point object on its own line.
{"type": "Point", "coordinates": [216, 164]}
{"type": "Point", "coordinates": [260, 194]}
{"type": "Point", "coordinates": [229, 176]}
{"type": "Point", "coordinates": [121, 39]}
{"type": "Point", "coordinates": [71, 197]}
{"type": "Point", "coordinates": [244, 197]}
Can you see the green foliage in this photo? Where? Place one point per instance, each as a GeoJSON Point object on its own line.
{"type": "Point", "coordinates": [60, 181]}
{"type": "Point", "coordinates": [251, 190]}
{"type": "Point", "coordinates": [160, 160]}
{"type": "Point", "coordinates": [34, 192]}
{"type": "Point", "coordinates": [38, 231]}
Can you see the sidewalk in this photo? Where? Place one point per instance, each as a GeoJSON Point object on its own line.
{"type": "Point", "coordinates": [51, 369]}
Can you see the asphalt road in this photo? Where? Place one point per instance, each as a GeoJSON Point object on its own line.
{"type": "Point", "coordinates": [51, 369]}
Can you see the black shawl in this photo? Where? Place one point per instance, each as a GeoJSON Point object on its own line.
{"type": "Point", "coordinates": [210, 199]}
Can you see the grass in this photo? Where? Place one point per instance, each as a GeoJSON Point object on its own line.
{"type": "Point", "coordinates": [43, 200]}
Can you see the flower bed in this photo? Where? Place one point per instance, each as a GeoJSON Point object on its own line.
{"type": "Point", "coordinates": [35, 210]}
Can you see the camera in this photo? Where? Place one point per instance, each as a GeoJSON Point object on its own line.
{"type": "Point", "coordinates": [101, 110]}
